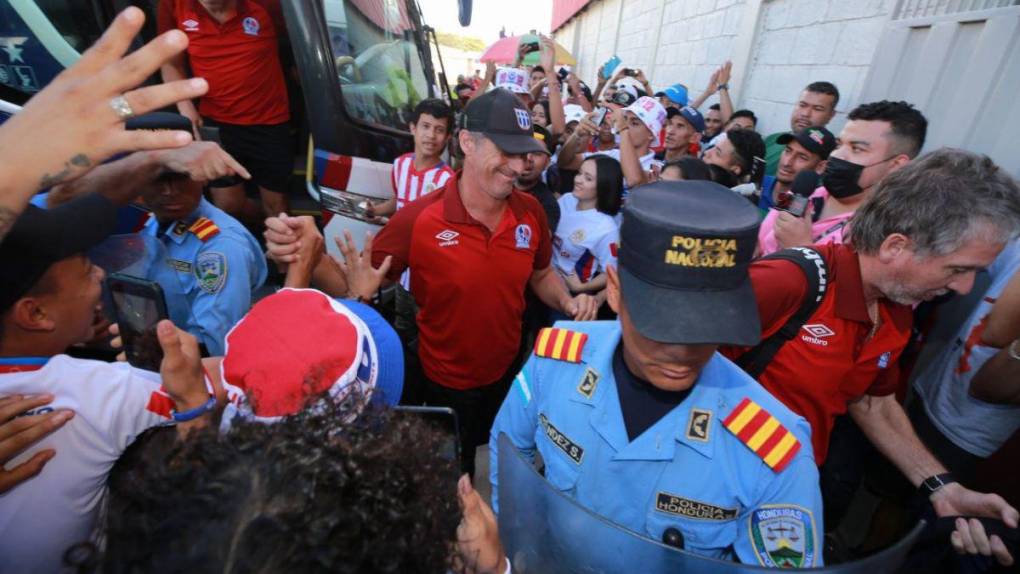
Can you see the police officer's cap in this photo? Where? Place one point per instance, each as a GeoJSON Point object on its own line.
{"type": "Point", "coordinates": [685, 247]}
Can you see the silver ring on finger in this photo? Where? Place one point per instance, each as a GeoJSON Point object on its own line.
{"type": "Point", "coordinates": [121, 106]}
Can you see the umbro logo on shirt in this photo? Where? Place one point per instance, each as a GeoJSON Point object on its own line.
{"type": "Point", "coordinates": [817, 334]}
{"type": "Point", "coordinates": [190, 25]}
{"type": "Point", "coordinates": [447, 237]}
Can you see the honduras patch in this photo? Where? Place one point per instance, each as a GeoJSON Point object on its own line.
{"type": "Point", "coordinates": [783, 536]}
{"type": "Point", "coordinates": [251, 26]}
{"type": "Point", "coordinates": [211, 271]}
{"type": "Point", "coordinates": [523, 236]}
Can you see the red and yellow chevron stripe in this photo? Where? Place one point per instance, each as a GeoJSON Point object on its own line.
{"type": "Point", "coordinates": [763, 434]}
{"type": "Point", "coordinates": [204, 229]}
{"type": "Point", "coordinates": [560, 344]}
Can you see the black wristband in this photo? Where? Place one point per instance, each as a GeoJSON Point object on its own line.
{"type": "Point", "coordinates": [932, 484]}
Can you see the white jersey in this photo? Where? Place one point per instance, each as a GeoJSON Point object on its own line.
{"type": "Point", "coordinates": [977, 427]}
{"type": "Point", "coordinates": [585, 241]}
{"type": "Point", "coordinates": [113, 404]}
{"type": "Point", "coordinates": [409, 184]}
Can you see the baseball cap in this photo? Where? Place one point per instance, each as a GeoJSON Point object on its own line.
{"type": "Point", "coordinates": [513, 79]}
{"type": "Point", "coordinates": [543, 135]}
{"type": "Point", "coordinates": [685, 248]}
{"type": "Point", "coordinates": [573, 113]}
{"type": "Point", "coordinates": [816, 140]}
{"type": "Point", "coordinates": [623, 98]}
{"type": "Point", "coordinates": [677, 93]}
{"type": "Point", "coordinates": [690, 114]}
{"type": "Point", "coordinates": [631, 85]}
{"type": "Point", "coordinates": [42, 237]}
{"type": "Point", "coordinates": [299, 344]}
{"type": "Point", "coordinates": [650, 112]}
{"type": "Point", "coordinates": [503, 118]}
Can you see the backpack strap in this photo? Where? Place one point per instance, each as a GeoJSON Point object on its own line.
{"type": "Point", "coordinates": [813, 265]}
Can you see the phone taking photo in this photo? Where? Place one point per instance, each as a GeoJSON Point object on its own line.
{"type": "Point", "coordinates": [792, 203]}
{"type": "Point", "coordinates": [138, 306]}
{"type": "Point", "coordinates": [600, 115]}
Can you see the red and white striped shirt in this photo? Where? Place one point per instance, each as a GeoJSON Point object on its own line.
{"type": "Point", "coordinates": [409, 184]}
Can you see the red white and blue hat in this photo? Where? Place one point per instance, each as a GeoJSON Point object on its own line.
{"type": "Point", "coordinates": [298, 344]}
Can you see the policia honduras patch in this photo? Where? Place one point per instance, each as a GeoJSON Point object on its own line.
{"type": "Point", "coordinates": [569, 447]}
{"type": "Point", "coordinates": [783, 536]}
{"type": "Point", "coordinates": [588, 383]}
{"type": "Point", "coordinates": [689, 508]}
{"type": "Point", "coordinates": [211, 271]}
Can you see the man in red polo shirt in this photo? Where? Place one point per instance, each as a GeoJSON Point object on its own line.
{"type": "Point", "coordinates": [235, 46]}
{"type": "Point", "coordinates": [843, 358]}
{"type": "Point", "coordinates": [474, 247]}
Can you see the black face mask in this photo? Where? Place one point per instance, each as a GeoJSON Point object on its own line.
{"type": "Point", "coordinates": [842, 178]}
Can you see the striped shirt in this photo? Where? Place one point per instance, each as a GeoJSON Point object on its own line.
{"type": "Point", "coordinates": [409, 184]}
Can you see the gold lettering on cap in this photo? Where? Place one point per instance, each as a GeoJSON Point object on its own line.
{"type": "Point", "coordinates": [699, 252]}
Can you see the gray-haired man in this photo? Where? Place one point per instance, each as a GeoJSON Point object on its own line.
{"type": "Point", "coordinates": [928, 228]}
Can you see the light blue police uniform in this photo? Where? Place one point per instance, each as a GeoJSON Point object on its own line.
{"type": "Point", "coordinates": [687, 471]}
{"type": "Point", "coordinates": [209, 273]}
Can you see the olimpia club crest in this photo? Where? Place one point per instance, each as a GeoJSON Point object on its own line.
{"type": "Point", "coordinates": [783, 536]}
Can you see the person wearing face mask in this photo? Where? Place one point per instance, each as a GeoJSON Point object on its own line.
{"type": "Point", "coordinates": [878, 139]}
{"type": "Point", "coordinates": [643, 422]}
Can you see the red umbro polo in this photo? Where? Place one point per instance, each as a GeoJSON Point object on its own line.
{"type": "Point", "coordinates": [832, 360]}
{"type": "Point", "coordinates": [469, 283]}
{"type": "Point", "coordinates": [239, 58]}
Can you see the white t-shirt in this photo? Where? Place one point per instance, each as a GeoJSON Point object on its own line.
{"type": "Point", "coordinates": [113, 404]}
{"type": "Point", "coordinates": [585, 241]}
{"type": "Point", "coordinates": [978, 427]}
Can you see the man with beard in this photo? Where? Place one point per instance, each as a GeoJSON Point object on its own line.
{"type": "Point", "coordinates": [878, 139]}
{"type": "Point", "coordinates": [815, 106]}
{"type": "Point", "coordinates": [843, 356]}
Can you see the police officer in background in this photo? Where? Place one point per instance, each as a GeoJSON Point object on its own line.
{"type": "Point", "coordinates": [213, 263]}
{"type": "Point", "coordinates": [644, 423]}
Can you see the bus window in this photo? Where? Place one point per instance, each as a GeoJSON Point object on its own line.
{"type": "Point", "coordinates": [380, 70]}
{"type": "Point", "coordinates": [74, 20]}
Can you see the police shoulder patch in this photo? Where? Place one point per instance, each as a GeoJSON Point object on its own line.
{"type": "Point", "coordinates": [699, 425]}
{"type": "Point", "coordinates": [560, 344]}
{"type": "Point", "coordinates": [211, 271]}
{"type": "Point", "coordinates": [204, 229]}
{"type": "Point", "coordinates": [783, 536]}
{"type": "Point", "coordinates": [763, 434]}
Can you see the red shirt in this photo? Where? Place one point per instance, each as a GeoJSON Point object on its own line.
{"type": "Point", "coordinates": [831, 361]}
{"type": "Point", "coordinates": [239, 58]}
{"type": "Point", "coordinates": [469, 283]}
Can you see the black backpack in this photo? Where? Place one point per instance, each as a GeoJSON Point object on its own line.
{"type": "Point", "coordinates": [813, 265]}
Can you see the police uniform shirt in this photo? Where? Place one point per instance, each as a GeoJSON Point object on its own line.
{"type": "Point", "coordinates": [212, 266]}
{"type": "Point", "coordinates": [113, 404]}
{"type": "Point", "coordinates": [731, 468]}
{"type": "Point", "coordinates": [585, 241]}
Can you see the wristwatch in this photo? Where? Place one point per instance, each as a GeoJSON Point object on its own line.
{"type": "Point", "coordinates": [932, 484]}
{"type": "Point", "coordinates": [723, 87]}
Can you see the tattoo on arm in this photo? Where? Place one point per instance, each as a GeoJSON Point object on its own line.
{"type": "Point", "coordinates": [79, 161]}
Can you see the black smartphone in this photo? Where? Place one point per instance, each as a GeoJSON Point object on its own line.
{"type": "Point", "coordinates": [630, 72]}
{"type": "Point", "coordinates": [530, 47]}
{"type": "Point", "coordinates": [443, 419]}
{"type": "Point", "coordinates": [792, 203]}
{"type": "Point", "coordinates": [562, 74]}
{"type": "Point", "coordinates": [209, 134]}
{"type": "Point", "coordinates": [138, 305]}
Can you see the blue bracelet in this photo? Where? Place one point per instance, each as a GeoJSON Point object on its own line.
{"type": "Point", "coordinates": [192, 414]}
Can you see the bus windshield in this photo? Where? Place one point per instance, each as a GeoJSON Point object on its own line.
{"type": "Point", "coordinates": [377, 60]}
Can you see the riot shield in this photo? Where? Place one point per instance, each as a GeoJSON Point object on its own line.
{"type": "Point", "coordinates": [544, 530]}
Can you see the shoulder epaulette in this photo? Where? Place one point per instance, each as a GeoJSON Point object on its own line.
{"type": "Point", "coordinates": [204, 229]}
{"type": "Point", "coordinates": [560, 344]}
{"type": "Point", "coordinates": [763, 434]}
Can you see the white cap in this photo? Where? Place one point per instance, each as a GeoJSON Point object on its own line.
{"type": "Point", "coordinates": [650, 112]}
{"type": "Point", "coordinates": [629, 84]}
{"type": "Point", "coordinates": [513, 79]}
{"type": "Point", "coordinates": [573, 113]}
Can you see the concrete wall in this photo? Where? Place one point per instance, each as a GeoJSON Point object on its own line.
{"type": "Point", "coordinates": [777, 46]}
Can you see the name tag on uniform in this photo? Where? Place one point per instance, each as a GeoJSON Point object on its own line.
{"type": "Point", "coordinates": [182, 266]}
{"type": "Point", "coordinates": [569, 447]}
{"type": "Point", "coordinates": [680, 506]}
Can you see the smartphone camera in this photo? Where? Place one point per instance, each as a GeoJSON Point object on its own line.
{"type": "Point", "coordinates": [792, 203]}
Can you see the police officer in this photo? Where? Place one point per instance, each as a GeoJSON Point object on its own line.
{"type": "Point", "coordinates": [644, 423]}
{"type": "Point", "coordinates": [212, 262]}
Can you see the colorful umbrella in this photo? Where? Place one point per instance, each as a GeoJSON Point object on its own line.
{"type": "Point", "coordinates": [504, 51]}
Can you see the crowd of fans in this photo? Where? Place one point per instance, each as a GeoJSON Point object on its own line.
{"type": "Point", "coordinates": [700, 330]}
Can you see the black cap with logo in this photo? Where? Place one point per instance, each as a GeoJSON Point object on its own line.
{"type": "Point", "coordinates": [503, 118]}
{"type": "Point", "coordinates": [816, 140]}
{"type": "Point", "coordinates": [685, 247]}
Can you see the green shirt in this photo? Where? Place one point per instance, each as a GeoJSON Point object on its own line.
{"type": "Point", "coordinates": [773, 151]}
